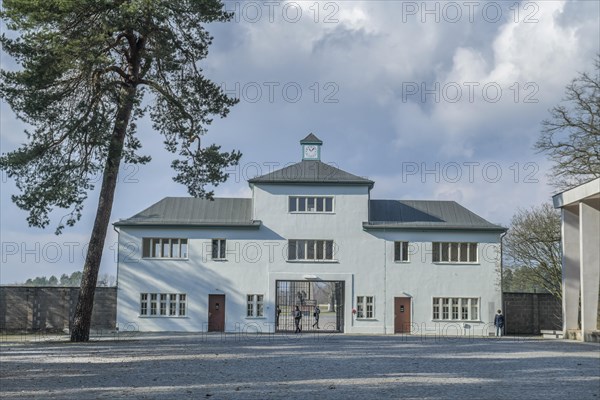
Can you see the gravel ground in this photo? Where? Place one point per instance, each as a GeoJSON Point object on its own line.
{"type": "Point", "coordinates": [187, 366]}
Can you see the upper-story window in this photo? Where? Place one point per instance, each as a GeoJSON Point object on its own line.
{"type": "Point", "coordinates": [401, 251]}
{"type": "Point", "coordinates": [311, 204]}
{"type": "Point", "coordinates": [219, 247]}
{"type": "Point", "coordinates": [164, 248]}
{"type": "Point", "coordinates": [451, 252]}
{"type": "Point", "coordinates": [311, 250]}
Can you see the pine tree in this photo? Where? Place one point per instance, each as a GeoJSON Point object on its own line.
{"type": "Point", "coordinates": [85, 68]}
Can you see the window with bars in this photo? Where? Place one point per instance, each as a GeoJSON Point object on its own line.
{"type": "Point", "coordinates": [453, 252]}
{"type": "Point", "coordinates": [164, 248]}
{"type": "Point", "coordinates": [163, 304]}
{"type": "Point", "coordinates": [401, 251]}
{"type": "Point", "coordinates": [254, 305]}
{"type": "Point", "coordinates": [219, 247]}
{"type": "Point", "coordinates": [365, 307]}
{"type": "Point", "coordinates": [310, 250]}
{"type": "Point", "coordinates": [310, 204]}
{"type": "Point", "coordinates": [455, 308]}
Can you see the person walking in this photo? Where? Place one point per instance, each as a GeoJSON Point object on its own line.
{"type": "Point", "coordinates": [298, 319]}
{"type": "Point", "coordinates": [316, 314]}
{"type": "Point", "coordinates": [499, 323]}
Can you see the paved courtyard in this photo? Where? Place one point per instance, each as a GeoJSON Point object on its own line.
{"type": "Point", "coordinates": [186, 366]}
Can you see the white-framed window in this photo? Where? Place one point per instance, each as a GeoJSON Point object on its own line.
{"type": "Point", "coordinates": [164, 248]}
{"type": "Point", "coordinates": [454, 252]}
{"type": "Point", "coordinates": [311, 250]}
{"type": "Point", "coordinates": [401, 251]}
{"type": "Point", "coordinates": [219, 247]}
{"type": "Point", "coordinates": [310, 204]}
{"type": "Point", "coordinates": [163, 304]}
{"type": "Point", "coordinates": [464, 308]}
{"type": "Point", "coordinates": [182, 304]}
{"type": "Point", "coordinates": [153, 298]}
{"type": "Point", "coordinates": [143, 303]}
{"type": "Point", "coordinates": [456, 308]}
{"type": "Point", "coordinates": [365, 307]}
{"type": "Point", "coordinates": [254, 305]}
{"type": "Point", "coordinates": [172, 304]}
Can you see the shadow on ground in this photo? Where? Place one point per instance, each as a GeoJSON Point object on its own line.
{"type": "Point", "coordinates": [307, 366]}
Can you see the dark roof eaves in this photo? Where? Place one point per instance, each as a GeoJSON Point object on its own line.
{"type": "Point", "coordinates": [491, 228]}
{"type": "Point", "coordinates": [241, 225]}
{"type": "Point", "coordinates": [312, 182]}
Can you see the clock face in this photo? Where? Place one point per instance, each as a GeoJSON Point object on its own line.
{"type": "Point", "coordinates": [311, 151]}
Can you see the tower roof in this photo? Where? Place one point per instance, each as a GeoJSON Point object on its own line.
{"type": "Point", "coordinates": [312, 172]}
{"type": "Point", "coordinates": [311, 139]}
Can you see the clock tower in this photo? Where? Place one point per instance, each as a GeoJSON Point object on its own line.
{"type": "Point", "coordinates": [311, 147]}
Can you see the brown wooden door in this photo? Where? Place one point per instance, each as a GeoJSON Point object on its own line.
{"type": "Point", "coordinates": [216, 312]}
{"type": "Point", "coordinates": [402, 315]}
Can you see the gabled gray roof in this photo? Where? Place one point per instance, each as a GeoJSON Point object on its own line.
{"type": "Point", "coordinates": [312, 172]}
{"type": "Point", "coordinates": [190, 211]}
{"type": "Point", "coordinates": [425, 215]}
{"type": "Point", "coordinates": [311, 139]}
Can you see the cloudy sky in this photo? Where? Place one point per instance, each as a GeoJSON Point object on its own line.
{"type": "Point", "coordinates": [431, 100]}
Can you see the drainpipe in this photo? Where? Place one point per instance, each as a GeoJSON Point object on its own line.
{"type": "Point", "coordinates": [384, 284]}
{"type": "Point", "coordinates": [118, 255]}
{"type": "Point", "coordinates": [117, 278]}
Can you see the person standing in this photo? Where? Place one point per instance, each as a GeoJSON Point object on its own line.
{"type": "Point", "coordinates": [298, 319]}
{"type": "Point", "coordinates": [316, 314]}
{"type": "Point", "coordinates": [499, 323]}
{"type": "Point", "coordinates": [277, 314]}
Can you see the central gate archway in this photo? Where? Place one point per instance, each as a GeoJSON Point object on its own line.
{"type": "Point", "coordinates": [327, 295]}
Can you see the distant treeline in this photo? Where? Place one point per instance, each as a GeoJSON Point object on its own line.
{"type": "Point", "coordinates": [68, 280]}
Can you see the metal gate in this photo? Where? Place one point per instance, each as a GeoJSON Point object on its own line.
{"type": "Point", "coordinates": [327, 295]}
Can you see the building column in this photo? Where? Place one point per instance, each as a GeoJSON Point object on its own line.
{"type": "Point", "coordinates": [570, 269]}
{"type": "Point", "coordinates": [589, 227]}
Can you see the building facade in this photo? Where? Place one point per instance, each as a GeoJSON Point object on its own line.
{"type": "Point", "coordinates": [309, 232]}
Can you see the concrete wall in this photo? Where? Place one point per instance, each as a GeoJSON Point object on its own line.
{"type": "Point", "coordinates": [50, 308]}
{"type": "Point", "coordinates": [25, 308]}
{"type": "Point", "coordinates": [528, 313]}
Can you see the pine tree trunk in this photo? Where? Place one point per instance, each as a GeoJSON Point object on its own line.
{"type": "Point", "coordinates": [83, 312]}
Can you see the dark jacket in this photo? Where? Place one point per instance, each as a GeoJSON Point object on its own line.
{"type": "Point", "coordinates": [499, 320]}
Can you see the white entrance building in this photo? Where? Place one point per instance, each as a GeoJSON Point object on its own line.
{"type": "Point", "coordinates": [580, 208]}
{"type": "Point", "coordinates": [396, 266]}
